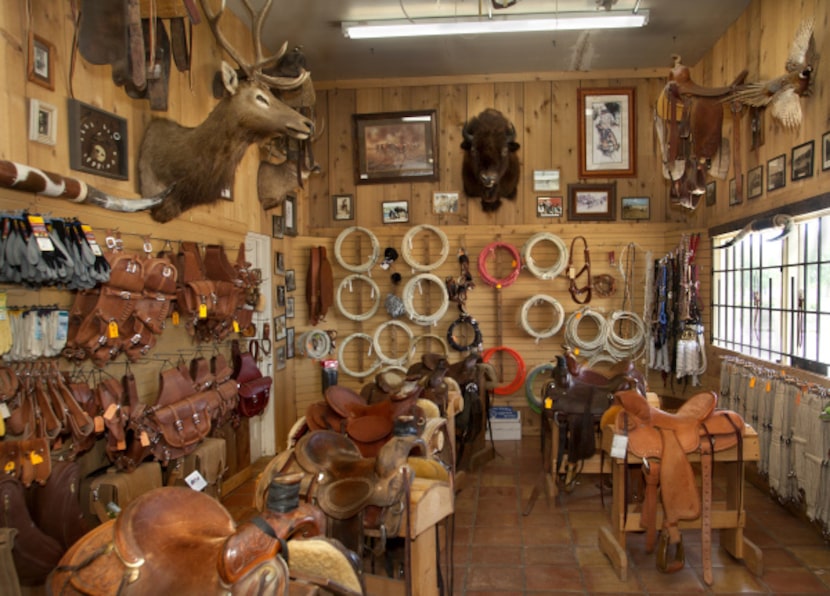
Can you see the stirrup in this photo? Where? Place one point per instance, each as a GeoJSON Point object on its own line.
{"type": "Point", "coordinates": [572, 472]}
{"type": "Point", "coordinates": [663, 563]}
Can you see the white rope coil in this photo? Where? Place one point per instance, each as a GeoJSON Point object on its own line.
{"type": "Point", "coordinates": [438, 338]}
{"type": "Point", "coordinates": [347, 283]}
{"type": "Point", "coordinates": [620, 347]}
{"type": "Point", "coordinates": [314, 344]}
{"type": "Point", "coordinates": [341, 350]}
{"type": "Point", "coordinates": [586, 347]}
{"type": "Point", "coordinates": [557, 323]}
{"type": "Point", "coordinates": [362, 267]}
{"type": "Point", "coordinates": [555, 269]}
{"type": "Point", "coordinates": [401, 360]}
{"type": "Point", "coordinates": [406, 248]}
{"type": "Point", "coordinates": [409, 299]}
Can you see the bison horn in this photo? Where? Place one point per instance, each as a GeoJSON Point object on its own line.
{"type": "Point", "coordinates": [511, 134]}
{"type": "Point", "coordinates": [465, 132]}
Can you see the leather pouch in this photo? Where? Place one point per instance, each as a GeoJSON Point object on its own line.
{"type": "Point", "coordinates": [253, 396]}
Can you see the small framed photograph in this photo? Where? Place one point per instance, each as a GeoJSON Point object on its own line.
{"type": "Point", "coordinates": [289, 307]}
{"type": "Point", "coordinates": [396, 147]}
{"type": "Point", "coordinates": [545, 180]}
{"type": "Point", "coordinates": [734, 197]}
{"type": "Point", "coordinates": [395, 211]}
{"type": "Point", "coordinates": [444, 202]}
{"type": "Point", "coordinates": [279, 327]}
{"type": "Point", "coordinates": [279, 263]}
{"type": "Point", "coordinates": [279, 356]}
{"type": "Point", "coordinates": [755, 182]}
{"type": "Point", "coordinates": [636, 208]}
{"type": "Point", "coordinates": [43, 122]}
{"type": "Point", "coordinates": [548, 206]}
{"type": "Point", "coordinates": [290, 281]}
{"type": "Point", "coordinates": [801, 161]}
{"type": "Point", "coordinates": [825, 151]}
{"type": "Point", "coordinates": [777, 172]}
{"type": "Point", "coordinates": [592, 202]}
{"type": "Point", "coordinates": [277, 226]}
{"type": "Point", "coordinates": [711, 192]}
{"type": "Point", "coordinates": [289, 212]}
{"type": "Point", "coordinates": [289, 342]}
{"type": "Point", "coordinates": [343, 206]}
{"type": "Point", "coordinates": [606, 132]}
{"type": "Point", "coordinates": [41, 67]}
{"type": "Point", "coordinates": [281, 296]}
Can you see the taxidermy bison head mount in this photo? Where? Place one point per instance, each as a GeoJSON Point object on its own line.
{"type": "Point", "coordinates": [491, 167]}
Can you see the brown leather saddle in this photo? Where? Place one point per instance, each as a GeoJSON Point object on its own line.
{"type": "Point", "coordinates": [663, 440]}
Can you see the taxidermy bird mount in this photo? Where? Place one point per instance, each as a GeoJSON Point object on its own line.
{"type": "Point", "coordinates": [783, 93]}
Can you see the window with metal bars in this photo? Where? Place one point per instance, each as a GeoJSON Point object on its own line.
{"type": "Point", "coordinates": [771, 297]}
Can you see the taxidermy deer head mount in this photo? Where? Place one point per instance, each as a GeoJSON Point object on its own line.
{"type": "Point", "coordinates": [198, 164]}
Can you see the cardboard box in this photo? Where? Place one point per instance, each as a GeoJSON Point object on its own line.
{"type": "Point", "coordinates": [506, 428]}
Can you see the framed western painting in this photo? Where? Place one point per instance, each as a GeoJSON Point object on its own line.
{"type": "Point", "coordinates": [755, 182]}
{"type": "Point", "coordinates": [395, 211]}
{"type": "Point", "coordinates": [343, 207]}
{"type": "Point", "coordinates": [734, 197]}
{"type": "Point", "coordinates": [41, 67]}
{"type": "Point", "coordinates": [801, 161]}
{"type": "Point", "coordinates": [777, 172]}
{"type": "Point", "coordinates": [289, 213]}
{"type": "Point", "coordinates": [43, 118]}
{"type": "Point", "coordinates": [396, 147]}
{"type": "Point", "coordinates": [711, 192]}
{"type": "Point", "coordinates": [444, 202]}
{"type": "Point", "coordinates": [592, 202]}
{"type": "Point", "coordinates": [548, 206]}
{"type": "Point", "coordinates": [825, 151]}
{"type": "Point", "coordinates": [636, 208]}
{"type": "Point", "coordinates": [606, 133]}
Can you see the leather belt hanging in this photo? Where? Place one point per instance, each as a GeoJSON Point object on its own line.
{"type": "Point", "coordinates": [580, 295]}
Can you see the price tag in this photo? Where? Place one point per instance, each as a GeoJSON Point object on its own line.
{"type": "Point", "coordinates": [35, 458]}
{"type": "Point", "coordinates": [144, 439]}
{"type": "Point", "coordinates": [110, 411]}
{"type": "Point", "coordinates": [235, 326]}
{"type": "Point", "coordinates": [9, 467]}
{"type": "Point", "coordinates": [619, 446]}
{"type": "Point", "coordinates": [752, 383]}
{"type": "Point", "coordinates": [99, 424]}
{"type": "Point", "coordinates": [548, 403]}
{"type": "Point", "coordinates": [196, 481]}
{"type": "Point", "coordinates": [112, 330]}
{"type": "Point", "coordinates": [44, 242]}
{"type": "Point", "coordinates": [4, 410]}
{"type": "Point", "coordinates": [203, 311]}
{"type": "Point", "coordinates": [90, 238]}
{"type": "Point", "coordinates": [175, 318]}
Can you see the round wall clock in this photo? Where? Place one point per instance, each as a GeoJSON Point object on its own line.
{"type": "Point", "coordinates": [97, 141]}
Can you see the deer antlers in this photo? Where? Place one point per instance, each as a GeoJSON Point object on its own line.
{"type": "Point", "coordinates": [253, 71]}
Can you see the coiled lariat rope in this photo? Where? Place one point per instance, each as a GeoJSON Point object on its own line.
{"type": "Point", "coordinates": [314, 344]}
{"type": "Point", "coordinates": [410, 338]}
{"type": "Point", "coordinates": [409, 299]}
{"type": "Point", "coordinates": [557, 323]}
{"type": "Point", "coordinates": [406, 248]}
{"type": "Point", "coordinates": [622, 348]}
{"type": "Point", "coordinates": [555, 269]}
{"type": "Point", "coordinates": [585, 347]}
{"type": "Point", "coordinates": [347, 283]}
{"type": "Point", "coordinates": [518, 380]}
{"type": "Point", "coordinates": [428, 336]}
{"type": "Point", "coordinates": [452, 338]}
{"type": "Point", "coordinates": [490, 250]}
{"type": "Point", "coordinates": [376, 364]}
{"type": "Point", "coordinates": [366, 265]}
{"type": "Point", "coordinates": [535, 401]}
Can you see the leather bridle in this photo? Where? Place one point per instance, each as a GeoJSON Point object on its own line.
{"type": "Point", "coordinates": [576, 292]}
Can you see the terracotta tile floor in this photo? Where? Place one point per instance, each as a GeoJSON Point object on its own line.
{"type": "Point", "coordinates": [553, 550]}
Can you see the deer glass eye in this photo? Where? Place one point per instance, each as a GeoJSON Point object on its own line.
{"type": "Point", "coordinates": [261, 98]}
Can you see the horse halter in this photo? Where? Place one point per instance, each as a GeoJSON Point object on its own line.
{"type": "Point", "coordinates": [578, 293]}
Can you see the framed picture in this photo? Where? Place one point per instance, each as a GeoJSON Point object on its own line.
{"type": "Point", "coordinates": [279, 263]}
{"type": "Point", "coordinates": [281, 295]}
{"type": "Point", "coordinates": [606, 134]}
{"type": "Point", "coordinates": [636, 208]}
{"type": "Point", "coordinates": [777, 172]}
{"type": "Point", "coordinates": [734, 197]}
{"type": "Point", "coordinates": [801, 161]}
{"type": "Point", "coordinates": [279, 356]}
{"type": "Point", "coordinates": [711, 192]}
{"type": "Point", "coordinates": [289, 342]}
{"type": "Point", "coordinates": [289, 307]}
{"type": "Point", "coordinates": [277, 226]}
{"type": "Point", "coordinates": [279, 327]}
{"type": "Point", "coordinates": [41, 67]}
{"type": "Point", "coordinates": [548, 206]}
{"type": "Point", "coordinates": [545, 180]}
{"type": "Point", "coordinates": [395, 211]}
{"type": "Point", "coordinates": [43, 122]}
{"type": "Point", "coordinates": [289, 212]}
{"type": "Point", "coordinates": [343, 206]}
{"type": "Point", "coordinates": [290, 281]}
{"type": "Point", "coordinates": [396, 147]}
{"type": "Point", "coordinates": [755, 182]}
{"type": "Point", "coordinates": [825, 151]}
{"type": "Point", "coordinates": [592, 202]}
{"type": "Point", "coordinates": [444, 202]}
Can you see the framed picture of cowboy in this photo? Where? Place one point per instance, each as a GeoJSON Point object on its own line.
{"type": "Point", "coordinates": [396, 147]}
{"type": "Point", "coordinates": [606, 133]}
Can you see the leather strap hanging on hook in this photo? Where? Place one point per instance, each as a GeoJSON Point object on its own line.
{"type": "Point", "coordinates": [580, 295]}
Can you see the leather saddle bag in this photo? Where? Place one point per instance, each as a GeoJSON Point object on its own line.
{"type": "Point", "coordinates": [176, 429]}
{"type": "Point", "coordinates": [253, 396]}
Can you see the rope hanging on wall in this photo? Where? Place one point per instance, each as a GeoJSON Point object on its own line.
{"type": "Point", "coordinates": [555, 269]}
{"type": "Point", "coordinates": [314, 344]}
{"type": "Point", "coordinates": [401, 360]}
{"type": "Point", "coordinates": [558, 320]}
{"type": "Point", "coordinates": [406, 248]}
{"type": "Point", "coordinates": [518, 380]}
{"type": "Point", "coordinates": [516, 263]}
{"type": "Point", "coordinates": [347, 283]}
{"type": "Point", "coordinates": [409, 299]}
{"type": "Point", "coordinates": [535, 401]}
{"type": "Point", "coordinates": [427, 336]}
{"type": "Point", "coordinates": [376, 364]}
{"type": "Point", "coordinates": [585, 347]}
{"type": "Point", "coordinates": [625, 347]}
{"type": "Point", "coordinates": [366, 265]}
{"type": "Point", "coordinates": [477, 340]}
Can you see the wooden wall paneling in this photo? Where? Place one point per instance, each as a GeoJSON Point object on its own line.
{"type": "Point", "coordinates": [317, 197]}
{"type": "Point", "coordinates": [536, 139]}
{"type": "Point", "coordinates": [452, 114]}
{"type": "Point", "coordinates": [370, 101]}
{"type": "Point", "coordinates": [340, 141]}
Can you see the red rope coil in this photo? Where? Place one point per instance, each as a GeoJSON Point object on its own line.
{"type": "Point", "coordinates": [489, 250]}
{"type": "Point", "coordinates": [519, 380]}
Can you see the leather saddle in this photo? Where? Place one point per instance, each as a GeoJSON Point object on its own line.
{"type": "Point", "coordinates": [663, 440]}
{"type": "Point", "coordinates": [176, 540]}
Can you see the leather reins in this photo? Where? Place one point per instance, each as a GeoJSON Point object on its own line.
{"type": "Point", "coordinates": [576, 292]}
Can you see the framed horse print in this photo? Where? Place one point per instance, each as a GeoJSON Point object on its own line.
{"type": "Point", "coordinates": [606, 133]}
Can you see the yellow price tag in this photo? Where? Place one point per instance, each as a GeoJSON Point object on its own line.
{"type": "Point", "coordinates": [36, 458]}
{"type": "Point", "coordinates": [548, 403]}
{"type": "Point", "coordinates": [175, 318]}
{"type": "Point", "coordinates": [144, 439]}
{"type": "Point", "coordinates": [576, 351]}
{"type": "Point", "coordinates": [112, 330]}
{"type": "Point", "coordinates": [578, 315]}
{"type": "Point", "coordinates": [768, 387]}
{"type": "Point", "coordinates": [203, 311]}
{"type": "Point", "coordinates": [752, 383]}
{"type": "Point", "coordinates": [9, 467]}
{"type": "Point", "coordinates": [235, 326]}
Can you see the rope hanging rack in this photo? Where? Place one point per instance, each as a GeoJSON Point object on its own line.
{"type": "Point", "coordinates": [387, 360]}
{"type": "Point", "coordinates": [555, 269]}
{"type": "Point", "coordinates": [341, 351]}
{"type": "Point", "coordinates": [409, 299]}
{"type": "Point", "coordinates": [347, 283]}
{"type": "Point", "coordinates": [490, 250]}
{"type": "Point", "coordinates": [557, 323]}
{"type": "Point", "coordinates": [518, 380]}
{"type": "Point", "coordinates": [366, 265]}
{"type": "Point", "coordinates": [406, 248]}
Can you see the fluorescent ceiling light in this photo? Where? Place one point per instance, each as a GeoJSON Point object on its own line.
{"type": "Point", "coordinates": [475, 25]}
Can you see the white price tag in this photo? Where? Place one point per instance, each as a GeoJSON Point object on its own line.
{"type": "Point", "coordinates": [196, 481]}
{"type": "Point", "coordinates": [619, 446]}
{"type": "Point", "coordinates": [4, 410]}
